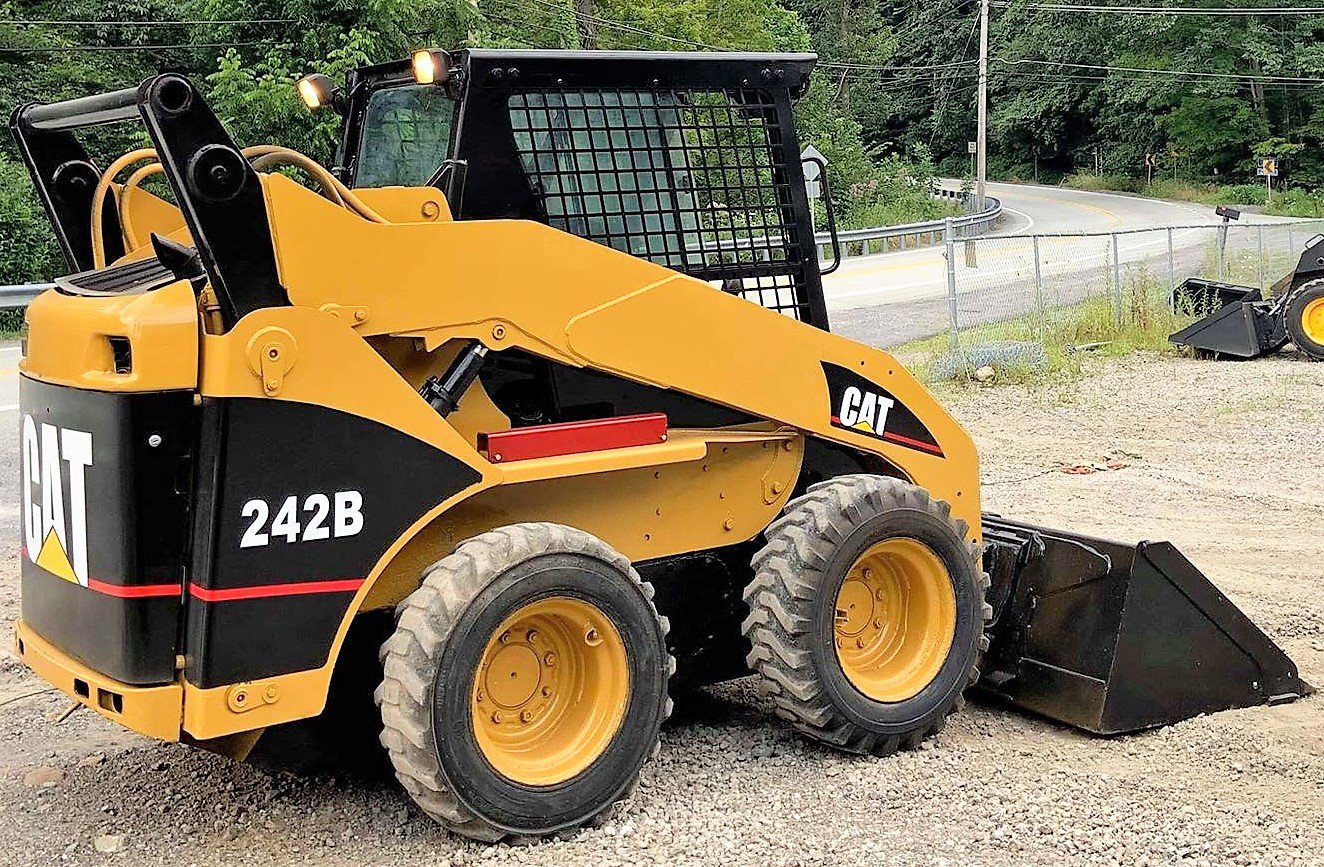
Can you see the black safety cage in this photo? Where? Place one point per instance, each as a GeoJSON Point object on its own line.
{"type": "Point", "coordinates": [688, 159]}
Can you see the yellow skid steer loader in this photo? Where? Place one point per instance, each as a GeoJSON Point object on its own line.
{"type": "Point", "coordinates": [536, 385]}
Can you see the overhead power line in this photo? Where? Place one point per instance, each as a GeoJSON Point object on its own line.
{"type": "Point", "coordinates": [196, 22]}
{"type": "Point", "coordinates": [45, 49]}
{"type": "Point", "coordinates": [1061, 77]}
{"type": "Point", "coordinates": [1178, 73]}
{"type": "Point", "coordinates": [1163, 10]}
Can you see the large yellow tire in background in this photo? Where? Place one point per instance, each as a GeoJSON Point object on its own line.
{"type": "Point", "coordinates": [867, 614]}
{"type": "Point", "coordinates": [525, 683]}
{"type": "Point", "coordinates": [1303, 314]}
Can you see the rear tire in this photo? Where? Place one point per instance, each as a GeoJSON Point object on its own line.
{"type": "Point", "coordinates": [867, 614]}
{"type": "Point", "coordinates": [525, 683]}
{"type": "Point", "coordinates": [1303, 315]}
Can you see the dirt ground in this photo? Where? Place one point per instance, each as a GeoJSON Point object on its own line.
{"type": "Point", "coordinates": [1222, 459]}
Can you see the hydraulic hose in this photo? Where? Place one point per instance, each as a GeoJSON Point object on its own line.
{"type": "Point", "coordinates": [261, 157]}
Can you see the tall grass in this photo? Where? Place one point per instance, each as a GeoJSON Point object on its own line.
{"type": "Point", "coordinates": [1102, 325]}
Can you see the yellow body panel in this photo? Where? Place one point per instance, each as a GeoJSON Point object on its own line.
{"type": "Point", "coordinates": [153, 711]}
{"type": "Point", "coordinates": [68, 345]}
{"type": "Point", "coordinates": [143, 213]}
{"type": "Point", "coordinates": [518, 283]}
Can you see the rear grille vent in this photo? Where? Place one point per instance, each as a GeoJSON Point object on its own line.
{"type": "Point", "coordinates": [122, 353]}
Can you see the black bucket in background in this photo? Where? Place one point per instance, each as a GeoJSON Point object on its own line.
{"type": "Point", "coordinates": [1235, 320]}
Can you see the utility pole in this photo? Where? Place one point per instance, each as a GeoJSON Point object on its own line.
{"type": "Point", "coordinates": [587, 26]}
{"type": "Point", "coordinates": [981, 136]}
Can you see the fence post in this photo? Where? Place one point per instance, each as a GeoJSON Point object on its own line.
{"type": "Point", "coordinates": [1221, 244]}
{"type": "Point", "coordinates": [949, 241]}
{"type": "Point", "coordinates": [1259, 259]}
{"type": "Point", "coordinates": [1117, 282]}
{"type": "Point", "coordinates": [1038, 281]}
{"type": "Point", "coordinates": [1172, 265]}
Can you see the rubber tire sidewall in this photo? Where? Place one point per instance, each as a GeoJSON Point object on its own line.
{"type": "Point", "coordinates": [534, 810]}
{"type": "Point", "coordinates": [1292, 313]}
{"type": "Point", "coordinates": [933, 702]}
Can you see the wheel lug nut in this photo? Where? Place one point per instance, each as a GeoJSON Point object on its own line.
{"type": "Point", "coordinates": [496, 717]}
{"type": "Point", "coordinates": [505, 637]}
{"type": "Point", "coordinates": [859, 643]}
{"type": "Point", "coordinates": [531, 635]}
{"type": "Point", "coordinates": [867, 573]}
{"type": "Point", "coordinates": [525, 716]}
{"type": "Point", "coordinates": [480, 696]}
{"type": "Point", "coordinates": [880, 595]}
{"type": "Point", "coordinates": [546, 691]}
{"type": "Point", "coordinates": [549, 659]}
{"type": "Point", "coordinates": [878, 624]}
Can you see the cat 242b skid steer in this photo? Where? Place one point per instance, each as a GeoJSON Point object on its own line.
{"type": "Point", "coordinates": [536, 381]}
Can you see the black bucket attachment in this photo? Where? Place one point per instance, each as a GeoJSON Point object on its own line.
{"type": "Point", "coordinates": [1113, 638]}
{"type": "Point", "coordinates": [1235, 322]}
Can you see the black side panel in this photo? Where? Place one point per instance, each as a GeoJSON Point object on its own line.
{"type": "Point", "coordinates": [701, 595]}
{"type": "Point", "coordinates": [304, 502]}
{"type": "Point", "coordinates": [533, 390]}
{"type": "Point", "coordinates": [104, 560]}
{"type": "Point", "coordinates": [859, 405]}
{"type": "Point", "coordinates": [1114, 638]}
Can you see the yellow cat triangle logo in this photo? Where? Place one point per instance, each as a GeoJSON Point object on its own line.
{"type": "Point", "coordinates": [53, 559]}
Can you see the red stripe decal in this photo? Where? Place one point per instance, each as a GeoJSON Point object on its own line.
{"type": "Point", "coordinates": [914, 444]}
{"type": "Point", "coordinates": [265, 591]}
{"type": "Point", "coordinates": [134, 591]}
{"type": "Point", "coordinates": [902, 440]}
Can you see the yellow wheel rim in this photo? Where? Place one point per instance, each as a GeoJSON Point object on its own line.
{"type": "Point", "coordinates": [895, 619]}
{"type": "Point", "coordinates": [550, 691]}
{"type": "Point", "coordinates": [1312, 321]}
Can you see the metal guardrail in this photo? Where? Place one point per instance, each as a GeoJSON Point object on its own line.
{"type": "Point", "coordinates": [884, 239]}
{"type": "Point", "coordinates": [21, 295]}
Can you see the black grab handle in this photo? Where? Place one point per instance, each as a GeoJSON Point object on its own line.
{"type": "Point", "coordinates": [84, 111]}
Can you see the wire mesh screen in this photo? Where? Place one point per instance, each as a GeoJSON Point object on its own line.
{"type": "Point", "coordinates": [694, 180]}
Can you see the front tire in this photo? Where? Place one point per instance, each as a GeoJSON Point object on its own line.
{"type": "Point", "coordinates": [867, 614]}
{"type": "Point", "coordinates": [525, 683]}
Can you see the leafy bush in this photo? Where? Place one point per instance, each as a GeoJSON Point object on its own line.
{"type": "Point", "coordinates": [28, 253]}
{"type": "Point", "coordinates": [1297, 203]}
{"type": "Point", "coordinates": [1102, 183]}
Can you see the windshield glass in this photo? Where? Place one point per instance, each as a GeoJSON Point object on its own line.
{"type": "Point", "coordinates": [406, 136]}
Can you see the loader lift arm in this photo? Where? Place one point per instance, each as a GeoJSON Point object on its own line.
{"type": "Point", "coordinates": [216, 189]}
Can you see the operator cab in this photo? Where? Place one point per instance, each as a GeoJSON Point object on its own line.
{"type": "Point", "coordinates": [691, 162]}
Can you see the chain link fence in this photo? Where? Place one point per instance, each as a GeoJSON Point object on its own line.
{"type": "Point", "coordinates": [1019, 294]}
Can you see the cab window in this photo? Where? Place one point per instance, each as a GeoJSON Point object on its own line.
{"type": "Point", "coordinates": [406, 136]}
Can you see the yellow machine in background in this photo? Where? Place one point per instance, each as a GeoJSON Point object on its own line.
{"type": "Point", "coordinates": [498, 402]}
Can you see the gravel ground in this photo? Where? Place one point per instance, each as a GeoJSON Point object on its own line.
{"type": "Point", "coordinates": [1220, 458]}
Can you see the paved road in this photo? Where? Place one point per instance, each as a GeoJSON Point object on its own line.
{"type": "Point", "coordinates": [890, 298]}
{"type": "Point", "coordinates": [868, 280]}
